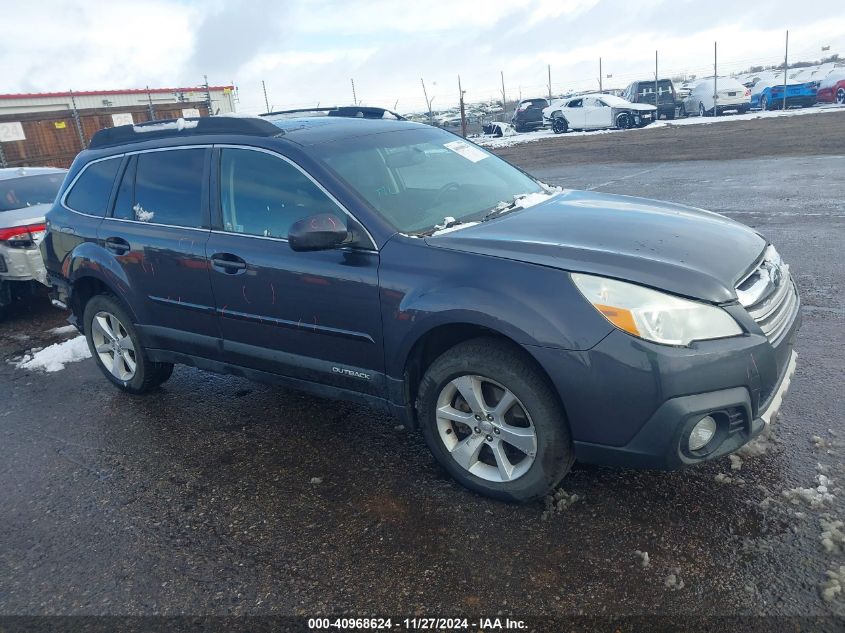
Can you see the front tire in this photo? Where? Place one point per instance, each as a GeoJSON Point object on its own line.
{"type": "Point", "coordinates": [493, 422]}
{"type": "Point", "coordinates": [116, 347]}
{"type": "Point", "coordinates": [701, 110]}
{"type": "Point", "coordinates": [559, 125]}
{"type": "Point", "coordinates": [624, 121]}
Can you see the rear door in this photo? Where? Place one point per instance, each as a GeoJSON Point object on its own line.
{"type": "Point", "coordinates": [311, 316]}
{"type": "Point", "coordinates": [157, 232]}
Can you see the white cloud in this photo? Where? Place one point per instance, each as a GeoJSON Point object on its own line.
{"type": "Point", "coordinates": [307, 51]}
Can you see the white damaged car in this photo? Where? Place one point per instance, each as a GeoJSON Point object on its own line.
{"type": "Point", "coordinates": [26, 194]}
{"type": "Point", "coordinates": [596, 111]}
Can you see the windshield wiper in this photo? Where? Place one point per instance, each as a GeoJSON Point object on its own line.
{"type": "Point", "coordinates": [501, 208]}
{"type": "Point", "coordinates": [448, 223]}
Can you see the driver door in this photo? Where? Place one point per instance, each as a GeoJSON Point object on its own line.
{"type": "Point", "coordinates": [575, 114]}
{"type": "Point", "coordinates": [309, 316]}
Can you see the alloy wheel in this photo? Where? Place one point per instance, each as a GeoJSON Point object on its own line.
{"type": "Point", "coordinates": [840, 96]}
{"type": "Point", "coordinates": [486, 429]}
{"type": "Point", "coordinates": [114, 346]}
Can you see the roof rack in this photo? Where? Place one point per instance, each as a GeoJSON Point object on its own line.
{"type": "Point", "coordinates": [353, 112]}
{"type": "Point", "coordinates": [168, 128]}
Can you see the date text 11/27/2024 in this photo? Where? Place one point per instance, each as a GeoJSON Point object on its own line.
{"type": "Point", "coordinates": [417, 624]}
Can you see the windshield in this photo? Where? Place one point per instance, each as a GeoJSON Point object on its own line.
{"type": "Point", "coordinates": [26, 191]}
{"type": "Point", "coordinates": [417, 178]}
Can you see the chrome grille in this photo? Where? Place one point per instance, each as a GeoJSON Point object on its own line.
{"type": "Point", "coordinates": [769, 296]}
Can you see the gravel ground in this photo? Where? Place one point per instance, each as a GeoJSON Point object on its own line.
{"type": "Point", "coordinates": [219, 496]}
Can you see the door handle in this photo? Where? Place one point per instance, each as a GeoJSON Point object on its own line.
{"type": "Point", "coordinates": [117, 245]}
{"type": "Point", "coordinates": [228, 263]}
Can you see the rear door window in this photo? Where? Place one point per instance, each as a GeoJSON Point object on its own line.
{"type": "Point", "coordinates": [168, 187]}
{"type": "Point", "coordinates": [92, 190]}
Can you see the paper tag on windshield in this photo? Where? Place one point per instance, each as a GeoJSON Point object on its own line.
{"type": "Point", "coordinates": [466, 150]}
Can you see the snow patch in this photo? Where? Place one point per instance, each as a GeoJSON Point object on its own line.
{"type": "Point", "coordinates": [813, 497]}
{"type": "Point", "coordinates": [179, 125]}
{"type": "Point", "coordinates": [56, 356]}
{"type": "Point", "coordinates": [832, 538]}
{"type": "Point", "coordinates": [736, 462]}
{"type": "Point", "coordinates": [141, 214]}
{"type": "Point", "coordinates": [673, 581]}
{"type": "Point", "coordinates": [833, 586]}
{"type": "Point", "coordinates": [65, 329]}
{"type": "Point", "coordinates": [644, 560]}
{"type": "Point", "coordinates": [447, 228]}
{"type": "Point", "coordinates": [558, 502]}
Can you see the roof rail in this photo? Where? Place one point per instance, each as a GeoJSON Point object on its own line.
{"type": "Point", "coordinates": [353, 112]}
{"type": "Point", "coordinates": [168, 128]}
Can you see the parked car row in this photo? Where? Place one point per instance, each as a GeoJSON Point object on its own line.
{"type": "Point", "coordinates": [647, 100]}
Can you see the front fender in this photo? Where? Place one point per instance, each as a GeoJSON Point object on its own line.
{"type": "Point", "coordinates": [423, 288]}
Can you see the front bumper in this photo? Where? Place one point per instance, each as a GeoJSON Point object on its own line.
{"type": "Point", "coordinates": [631, 403]}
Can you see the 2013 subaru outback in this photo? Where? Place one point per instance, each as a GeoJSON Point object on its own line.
{"type": "Point", "coordinates": [393, 263]}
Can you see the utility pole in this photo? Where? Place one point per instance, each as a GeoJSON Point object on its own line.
{"type": "Point", "coordinates": [656, 89]}
{"type": "Point", "coordinates": [463, 114]}
{"type": "Point", "coordinates": [354, 97]}
{"type": "Point", "coordinates": [715, 81]}
{"type": "Point", "coordinates": [601, 86]}
{"type": "Point", "coordinates": [208, 97]}
{"type": "Point", "coordinates": [266, 102]}
{"type": "Point", "coordinates": [785, 66]}
{"type": "Point", "coordinates": [77, 121]}
{"type": "Point", "coordinates": [150, 102]}
{"type": "Point", "coordinates": [504, 100]}
{"type": "Point", "coordinates": [550, 83]}
{"type": "Point", "coordinates": [427, 102]}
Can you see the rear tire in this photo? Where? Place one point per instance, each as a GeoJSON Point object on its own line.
{"type": "Point", "coordinates": [479, 440]}
{"type": "Point", "coordinates": [840, 96]}
{"type": "Point", "coordinates": [764, 103]}
{"type": "Point", "coordinates": [701, 111]}
{"type": "Point", "coordinates": [116, 347]}
{"type": "Point", "coordinates": [682, 113]}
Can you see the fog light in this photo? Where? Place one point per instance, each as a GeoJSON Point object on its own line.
{"type": "Point", "coordinates": [702, 433]}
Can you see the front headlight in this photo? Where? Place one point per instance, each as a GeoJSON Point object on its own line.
{"type": "Point", "coordinates": [654, 315]}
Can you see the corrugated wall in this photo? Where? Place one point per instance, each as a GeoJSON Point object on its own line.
{"type": "Point", "coordinates": [52, 139]}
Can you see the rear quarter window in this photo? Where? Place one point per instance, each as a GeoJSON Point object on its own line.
{"type": "Point", "coordinates": [91, 192]}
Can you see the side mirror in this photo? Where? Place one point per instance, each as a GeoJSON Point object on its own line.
{"type": "Point", "coordinates": [317, 233]}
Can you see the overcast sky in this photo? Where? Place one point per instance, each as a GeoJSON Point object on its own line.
{"type": "Point", "coordinates": [307, 51]}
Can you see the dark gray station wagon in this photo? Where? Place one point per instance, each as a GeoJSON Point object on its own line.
{"type": "Point", "coordinates": [395, 264]}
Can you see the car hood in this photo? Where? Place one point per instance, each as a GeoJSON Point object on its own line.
{"type": "Point", "coordinates": [642, 107]}
{"type": "Point", "coordinates": [671, 247]}
{"type": "Point", "coordinates": [27, 215]}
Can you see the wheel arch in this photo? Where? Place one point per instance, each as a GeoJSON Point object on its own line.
{"type": "Point", "coordinates": [437, 340]}
{"type": "Point", "coordinates": [92, 271]}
